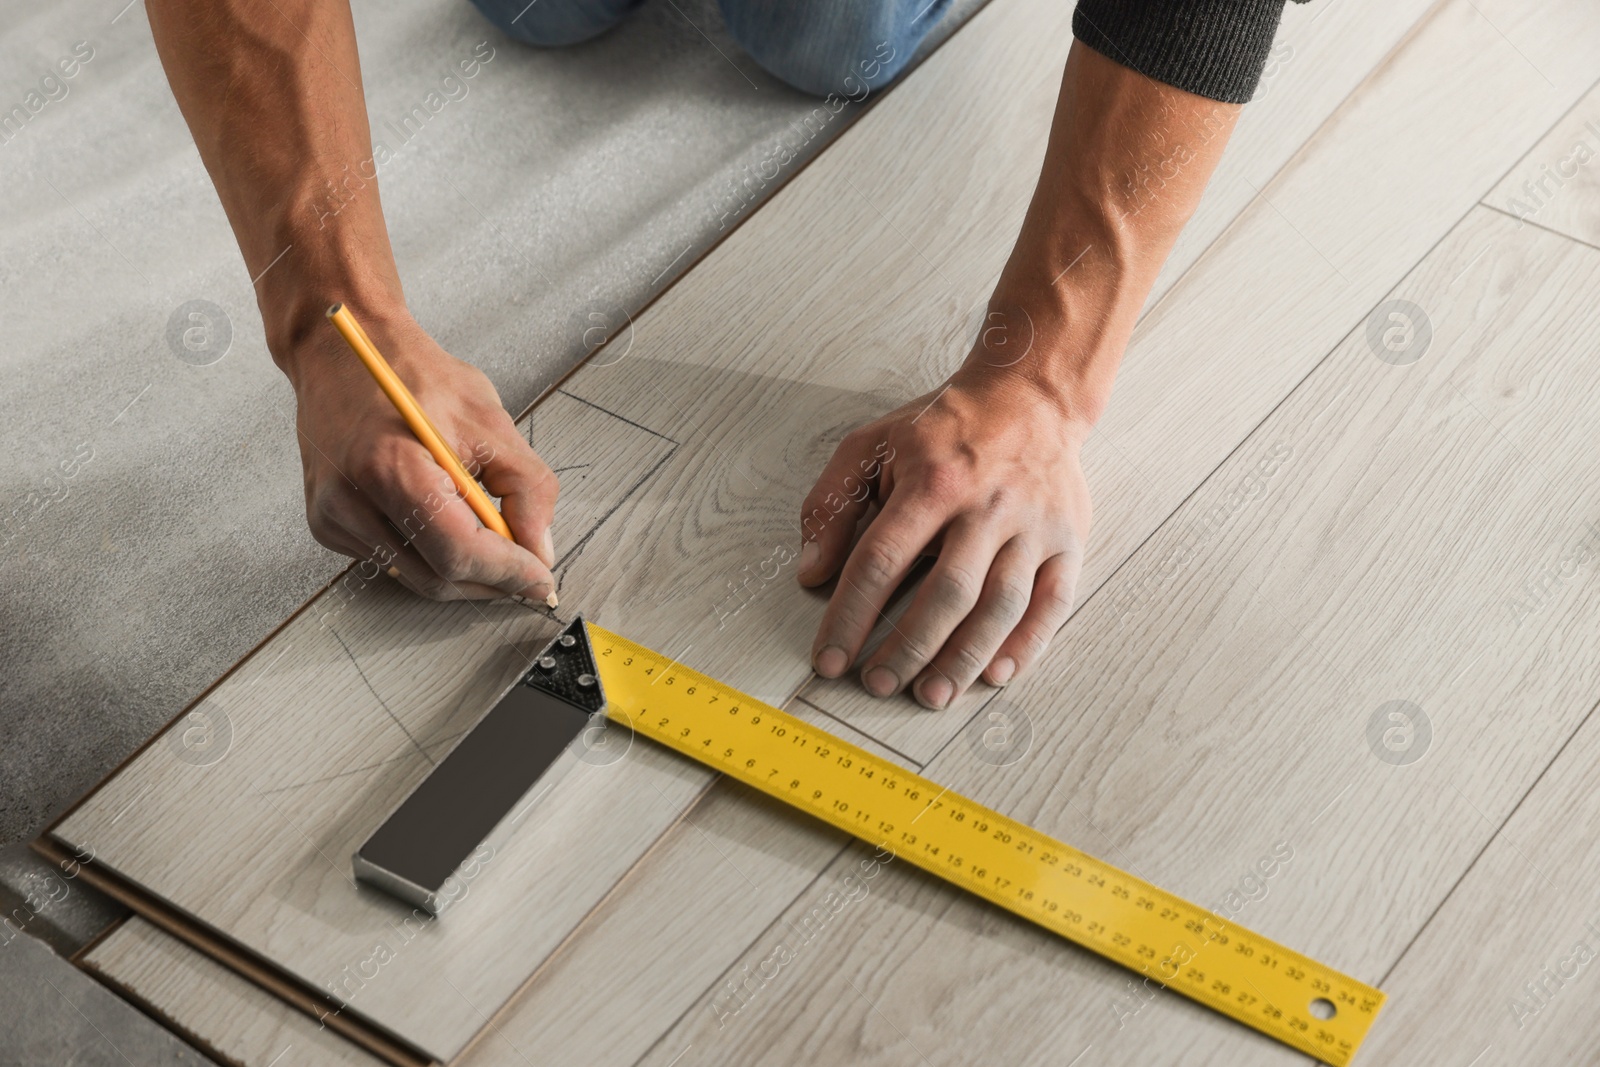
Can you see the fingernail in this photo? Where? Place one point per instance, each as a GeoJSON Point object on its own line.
{"type": "Point", "coordinates": [832, 661]}
{"type": "Point", "coordinates": [934, 692]}
{"type": "Point", "coordinates": [880, 681]}
{"type": "Point", "coordinates": [547, 548]}
{"type": "Point", "coordinates": [809, 554]}
{"type": "Point", "coordinates": [1001, 670]}
{"type": "Point", "coordinates": [552, 600]}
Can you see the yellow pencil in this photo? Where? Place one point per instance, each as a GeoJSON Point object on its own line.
{"type": "Point", "coordinates": [412, 412]}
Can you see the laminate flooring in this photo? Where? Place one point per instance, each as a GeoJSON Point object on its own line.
{"type": "Point", "coordinates": [1339, 536]}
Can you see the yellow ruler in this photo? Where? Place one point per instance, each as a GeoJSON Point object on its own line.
{"type": "Point", "coordinates": [1188, 949]}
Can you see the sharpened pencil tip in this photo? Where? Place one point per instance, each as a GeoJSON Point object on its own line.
{"type": "Point", "coordinates": [553, 600]}
{"type": "Point", "coordinates": [334, 310]}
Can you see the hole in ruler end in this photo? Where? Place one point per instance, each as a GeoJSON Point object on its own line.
{"type": "Point", "coordinates": [1322, 1008]}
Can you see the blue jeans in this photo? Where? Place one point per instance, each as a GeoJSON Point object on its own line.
{"type": "Point", "coordinates": [817, 46]}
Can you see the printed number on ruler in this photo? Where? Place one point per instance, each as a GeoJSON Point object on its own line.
{"type": "Point", "coordinates": [1184, 947]}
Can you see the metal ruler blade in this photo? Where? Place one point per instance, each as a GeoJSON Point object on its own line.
{"type": "Point", "coordinates": [1181, 946]}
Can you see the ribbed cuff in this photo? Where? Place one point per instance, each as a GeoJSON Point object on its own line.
{"type": "Point", "coordinates": [1213, 48]}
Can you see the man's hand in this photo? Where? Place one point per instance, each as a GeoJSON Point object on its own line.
{"type": "Point", "coordinates": [373, 492]}
{"type": "Point", "coordinates": [985, 469]}
{"type": "Point", "coordinates": [272, 94]}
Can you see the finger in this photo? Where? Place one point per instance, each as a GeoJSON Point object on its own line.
{"type": "Point", "coordinates": [1054, 588]}
{"type": "Point", "coordinates": [834, 507]}
{"type": "Point", "coordinates": [419, 499]}
{"type": "Point", "coordinates": [947, 596]}
{"type": "Point", "coordinates": [378, 541]}
{"type": "Point", "coordinates": [1003, 604]}
{"type": "Point", "coordinates": [879, 563]}
{"type": "Point", "coordinates": [526, 486]}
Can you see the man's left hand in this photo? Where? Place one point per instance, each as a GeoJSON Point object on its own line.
{"type": "Point", "coordinates": [984, 472]}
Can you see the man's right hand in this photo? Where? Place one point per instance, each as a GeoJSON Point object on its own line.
{"type": "Point", "coordinates": [272, 94]}
{"type": "Point", "coordinates": [363, 466]}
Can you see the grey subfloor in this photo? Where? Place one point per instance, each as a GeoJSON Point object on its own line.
{"type": "Point", "coordinates": [55, 1015]}
{"type": "Point", "coordinates": [151, 518]}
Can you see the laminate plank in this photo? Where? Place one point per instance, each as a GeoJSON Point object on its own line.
{"type": "Point", "coordinates": [1244, 712]}
{"type": "Point", "coordinates": [1557, 184]}
{"type": "Point", "coordinates": [234, 1021]}
{"type": "Point", "coordinates": [1502, 973]}
{"type": "Point", "coordinates": [1321, 54]}
{"type": "Point", "coordinates": [665, 934]}
{"type": "Point", "coordinates": [321, 732]}
{"type": "Point", "coordinates": [1331, 233]}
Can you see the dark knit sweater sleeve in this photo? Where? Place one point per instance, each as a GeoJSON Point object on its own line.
{"type": "Point", "coordinates": [1214, 48]}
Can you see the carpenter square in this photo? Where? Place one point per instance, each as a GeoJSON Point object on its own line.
{"type": "Point", "coordinates": [527, 741]}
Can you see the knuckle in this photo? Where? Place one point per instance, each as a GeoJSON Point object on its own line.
{"type": "Point", "coordinates": [433, 587]}
{"type": "Point", "coordinates": [1011, 598]}
{"type": "Point", "coordinates": [876, 564]}
{"type": "Point", "coordinates": [375, 466]}
{"type": "Point", "coordinates": [321, 504]}
{"type": "Point", "coordinates": [1035, 639]}
{"type": "Point", "coordinates": [962, 663]}
{"type": "Point", "coordinates": [324, 535]}
{"type": "Point", "coordinates": [955, 585]}
{"type": "Point", "coordinates": [319, 515]}
{"type": "Point", "coordinates": [1056, 598]}
{"type": "Point", "coordinates": [325, 528]}
{"type": "Point", "coordinates": [942, 480]}
{"type": "Point", "coordinates": [912, 651]}
{"type": "Point", "coordinates": [364, 472]}
{"type": "Point", "coordinates": [521, 464]}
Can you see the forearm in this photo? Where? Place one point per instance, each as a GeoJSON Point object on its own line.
{"type": "Point", "coordinates": [1127, 162]}
{"type": "Point", "coordinates": [272, 94]}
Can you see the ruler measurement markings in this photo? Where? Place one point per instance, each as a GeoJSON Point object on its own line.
{"type": "Point", "coordinates": [1062, 889]}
